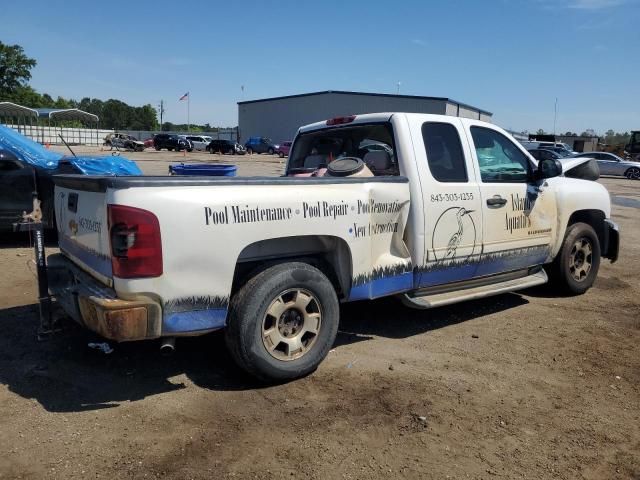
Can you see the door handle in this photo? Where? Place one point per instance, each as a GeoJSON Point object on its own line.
{"type": "Point", "coordinates": [496, 201]}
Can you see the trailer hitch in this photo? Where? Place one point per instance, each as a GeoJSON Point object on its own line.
{"type": "Point", "coordinates": [32, 222]}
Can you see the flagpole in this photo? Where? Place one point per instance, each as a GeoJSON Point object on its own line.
{"type": "Point", "coordinates": [188, 111]}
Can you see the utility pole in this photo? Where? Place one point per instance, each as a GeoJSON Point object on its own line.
{"type": "Point", "coordinates": [555, 115]}
{"type": "Point", "coordinates": [398, 88]}
{"type": "Point", "coordinates": [161, 112]}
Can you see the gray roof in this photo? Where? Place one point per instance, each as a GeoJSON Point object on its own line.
{"type": "Point", "coordinates": [343, 92]}
{"type": "Point", "coordinates": [66, 114]}
{"type": "Point", "coordinates": [9, 109]}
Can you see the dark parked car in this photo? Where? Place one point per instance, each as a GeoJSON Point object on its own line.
{"type": "Point", "coordinates": [171, 142]}
{"type": "Point", "coordinates": [18, 181]}
{"type": "Point", "coordinates": [27, 167]}
{"type": "Point", "coordinates": [225, 146]}
{"type": "Point", "coordinates": [261, 145]}
{"type": "Point", "coordinates": [563, 152]}
{"type": "Point", "coordinates": [545, 154]}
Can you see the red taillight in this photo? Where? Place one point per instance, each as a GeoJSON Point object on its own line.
{"type": "Point", "coordinates": [341, 120]}
{"type": "Point", "coordinates": [136, 248]}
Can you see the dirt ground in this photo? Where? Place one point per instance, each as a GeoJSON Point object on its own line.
{"type": "Point", "coordinates": [527, 385]}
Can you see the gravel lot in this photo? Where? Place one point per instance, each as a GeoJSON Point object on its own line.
{"type": "Point", "coordinates": [524, 385]}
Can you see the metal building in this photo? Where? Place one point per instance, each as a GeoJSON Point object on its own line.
{"type": "Point", "coordinates": [280, 117]}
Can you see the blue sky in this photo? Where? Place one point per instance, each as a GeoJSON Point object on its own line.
{"type": "Point", "coordinates": [511, 57]}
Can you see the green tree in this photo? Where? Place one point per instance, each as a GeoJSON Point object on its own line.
{"type": "Point", "coordinates": [46, 101]}
{"type": "Point", "coordinates": [589, 132]}
{"type": "Point", "coordinates": [25, 96]}
{"type": "Point", "coordinates": [115, 114]}
{"type": "Point", "coordinates": [144, 118]}
{"type": "Point", "coordinates": [15, 69]}
{"type": "Point", "coordinates": [540, 132]}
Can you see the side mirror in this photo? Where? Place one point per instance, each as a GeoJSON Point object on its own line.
{"type": "Point", "coordinates": [549, 168]}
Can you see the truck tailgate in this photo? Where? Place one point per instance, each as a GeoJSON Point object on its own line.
{"type": "Point", "coordinates": [83, 233]}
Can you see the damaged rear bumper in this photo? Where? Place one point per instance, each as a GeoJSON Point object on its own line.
{"type": "Point", "coordinates": [98, 308]}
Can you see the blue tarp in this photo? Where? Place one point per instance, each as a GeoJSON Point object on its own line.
{"type": "Point", "coordinates": [35, 154]}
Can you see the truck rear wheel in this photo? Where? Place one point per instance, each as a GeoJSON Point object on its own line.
{"type": "Point", "coordinates": [576, 266]}
{"type": "Point", "coordinates": [283, 322]}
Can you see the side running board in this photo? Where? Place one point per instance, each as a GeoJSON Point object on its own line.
{"type": "Point", "coordinates": [415, 300]}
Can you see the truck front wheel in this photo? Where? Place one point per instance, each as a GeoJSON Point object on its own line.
{"type": "Point", "coordinates": [576, 266]}
{"type": "Point", "coordinates": [283, 322]}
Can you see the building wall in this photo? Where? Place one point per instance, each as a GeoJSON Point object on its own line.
{"type": "Point", "coordinates": [457, 110]}
{"type": "Point", "coordinates": [280, 119]}
{"type": "Point", "coordinates": [580, 144]}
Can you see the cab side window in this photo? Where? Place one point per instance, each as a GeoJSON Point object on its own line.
{"type": "Point", "coordinates": [444, 152]}
{"type": "Point", "coordinates": [500, 161]}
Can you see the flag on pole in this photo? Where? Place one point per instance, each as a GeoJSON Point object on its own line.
{"type": "Point", "coordinates": [184, 97]}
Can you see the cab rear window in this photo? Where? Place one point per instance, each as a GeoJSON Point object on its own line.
{"type": "Point", "coordinates": [444, 152]}
{"type": "Point", "coordinates": [372, 143]}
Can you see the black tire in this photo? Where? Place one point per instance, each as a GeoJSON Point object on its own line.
{"type": "Point", "coordinates": [270, 151]}
{"type": "Point", "coordinates": [170, 149]}
{"type": "Point", "coordinates": [189, 150]}
{"type": "Point", "coordinates": [249, 151]}
{"type": "Point", "coordinates": [157, 149]}
{"type": "Point", "coordinates": [633, 173]}
{"type": "Point", "coordinates": [281, 154]}
{"type": "Point", "coordinates": [248, 320]}
{"type": "Point", "coordinates": [566, 268]}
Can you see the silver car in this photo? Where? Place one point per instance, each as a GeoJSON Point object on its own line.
{"type": "Point", "coordinates": [199, 142]}
{"type": "Point", "coordinates": [611, 164]}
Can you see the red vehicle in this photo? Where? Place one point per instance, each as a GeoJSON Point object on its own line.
{"type": "Point", "coordinates": [148, 143]}
{"type": "Point", "coordinates": [283, 149]}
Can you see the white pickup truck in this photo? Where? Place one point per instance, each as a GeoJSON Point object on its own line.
{"type": "Point", "coordinates": [434, 209]}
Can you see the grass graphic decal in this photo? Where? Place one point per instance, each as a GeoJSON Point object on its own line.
{"type": "Point", "coordinates": [382, 272]}
{"type": "Point", "coordinates": [99, 255]}
{"type": "Point", "coordinates": [482, 258]}
{"type": "Point", "coordinates": [204, 302]}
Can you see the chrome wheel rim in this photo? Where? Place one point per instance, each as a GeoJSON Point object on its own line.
{"type": "Point", "coordinates": [633, 173]}
{"type": "Point", "coordinates": [581, 259]}
{"type": "Point", "coordinates": [291, 324]}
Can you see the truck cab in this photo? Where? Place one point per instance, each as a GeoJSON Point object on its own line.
{"type": "Point", "coordinates": [481, 206]}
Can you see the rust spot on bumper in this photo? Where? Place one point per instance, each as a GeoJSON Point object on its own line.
{"type": "Point", "coordinates": [118, 320]}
